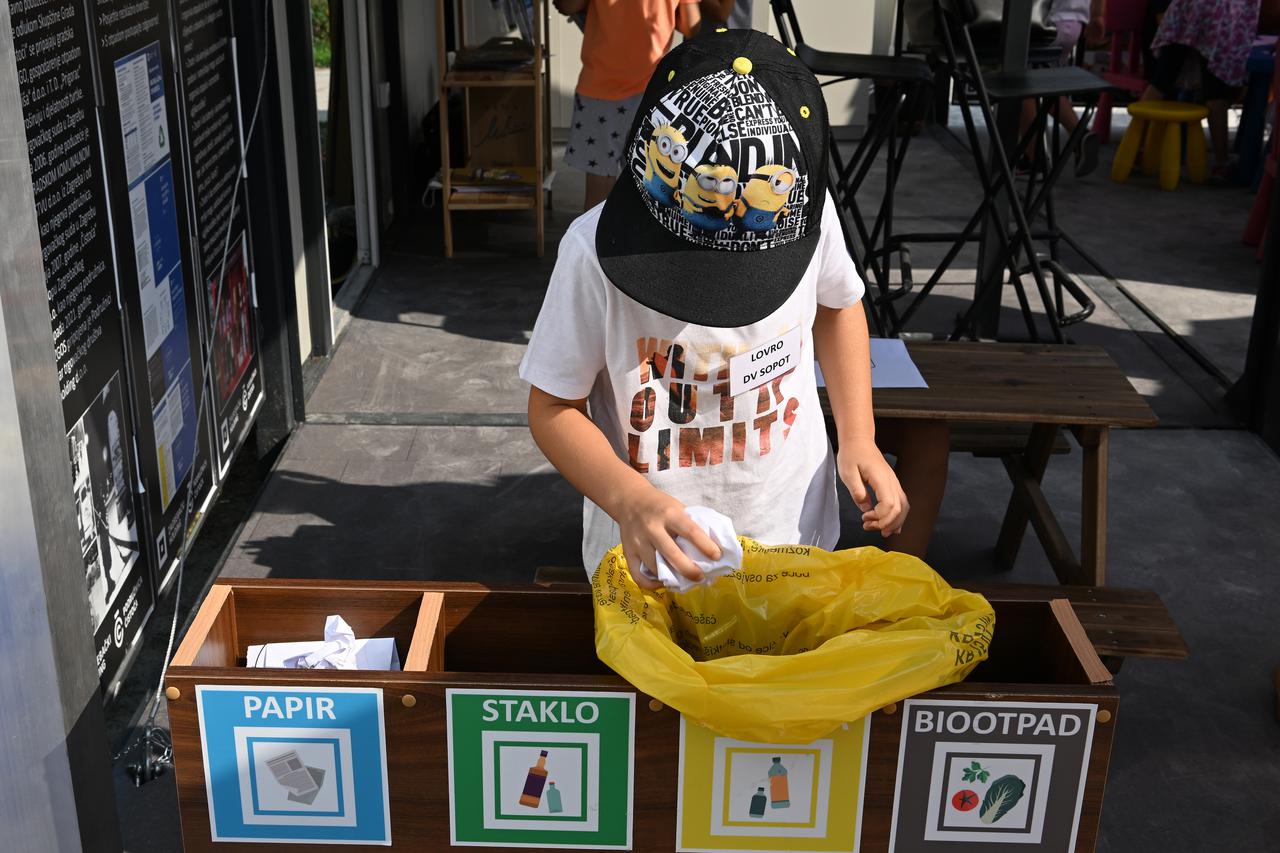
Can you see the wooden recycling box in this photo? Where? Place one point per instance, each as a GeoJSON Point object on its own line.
{"type": "Point", "coordinates": [504, 730]}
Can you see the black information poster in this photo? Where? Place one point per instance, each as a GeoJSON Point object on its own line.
{"type": "Point", "coordinates": [223, 258]}
{"type": "Point", "coordinates": [148, 199]}
{"type": "Point", "coordinates": [55, 72]}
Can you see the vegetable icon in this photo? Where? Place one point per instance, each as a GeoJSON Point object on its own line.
{"type": "Point", "coordinates": [965, 800]}
{"type": "Point", "coordinates": [975, 773]}
{"type": "Point", "coordinates": [1003, 795]}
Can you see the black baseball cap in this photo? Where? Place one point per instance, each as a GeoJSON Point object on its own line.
{"type": "Point", "coordinates": [717, 212]}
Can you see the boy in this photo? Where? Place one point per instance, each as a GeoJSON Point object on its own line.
{"type": "Point", "coordinates": [687, 310]}
{"type": "Point", "coordinates": [622, 40]}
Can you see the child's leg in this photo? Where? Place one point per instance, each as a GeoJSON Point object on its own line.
{"type": "Point", "coordinates": [921, 448]}
{"type": "Point", "coordinates": [1067, 114]}
{"type": "Point", "coordinates": [1218, 132]}
{"type": "Point", "coordinates": [1027, 116]}
{"type": "Point", "coordinates": [597, 144]}
{"type": "Point", "coordinates": [598, 187]}
{"type": "Point", "coordinates": [1218, 96]}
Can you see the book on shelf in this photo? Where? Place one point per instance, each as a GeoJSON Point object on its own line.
{"type": "Point", "coordinates": [509, 179]}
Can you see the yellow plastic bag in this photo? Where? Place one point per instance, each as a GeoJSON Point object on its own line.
{"type": "Point", "coordinates": [795, 643]}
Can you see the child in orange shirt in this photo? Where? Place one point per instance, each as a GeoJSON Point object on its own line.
{"type": "Point", "coordinates": [621, 45]}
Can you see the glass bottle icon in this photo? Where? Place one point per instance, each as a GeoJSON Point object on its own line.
{"type": "Point", "coordinates": [779, 791]}
{"type": "Point", "coordinates": [757, 803]}
{"type": "Point", "coordinates": [534, 782]}
{"type": "Point", "coordinates": [554, 805]}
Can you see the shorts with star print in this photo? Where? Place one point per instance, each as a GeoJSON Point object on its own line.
{"type": "Point", "coordinates": [598, 134]}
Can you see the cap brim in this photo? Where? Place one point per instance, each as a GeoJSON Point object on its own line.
{"type": "Point", "coordinates": [702, 286]}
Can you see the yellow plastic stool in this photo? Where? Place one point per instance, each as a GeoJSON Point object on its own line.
{"type": "Point", "coordinates": [1156, 129]}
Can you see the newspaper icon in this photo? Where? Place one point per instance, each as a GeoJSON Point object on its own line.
{"type": "Point", "coordinates": [302, 781]}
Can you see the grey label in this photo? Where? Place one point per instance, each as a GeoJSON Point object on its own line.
{"type": "Point", "coordinates": [974, 774]}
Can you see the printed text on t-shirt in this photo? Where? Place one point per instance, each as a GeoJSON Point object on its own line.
{"type": "Point", "coordinates": [696, 379]}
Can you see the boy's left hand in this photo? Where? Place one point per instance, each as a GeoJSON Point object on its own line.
{"type": "Point", "coordinates": [862, 465]}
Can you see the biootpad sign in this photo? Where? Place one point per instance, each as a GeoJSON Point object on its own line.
{"type": "Point", "coordinates": [540, 769]}
{"type": "Point", "coordinates": [295, 765]}
{"type": "Point", "coordinates": [972, 775]}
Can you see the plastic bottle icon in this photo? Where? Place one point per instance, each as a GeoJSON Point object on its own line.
{"type": "Point", "coordinates": [757, 803]}
{"type": "Point", "coordinates": [554, 805]}
{"type": "Point", "coordinates": [534, 782]}
{"type": "Point", "coordinates": [779, 791]}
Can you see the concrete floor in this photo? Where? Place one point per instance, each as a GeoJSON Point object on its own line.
{"type": "Point", "coordinates": [415, 463]}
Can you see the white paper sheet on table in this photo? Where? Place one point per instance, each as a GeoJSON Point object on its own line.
{"type": "Point", "coordinates": [891, 366]}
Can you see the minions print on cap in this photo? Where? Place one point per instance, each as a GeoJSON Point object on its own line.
{"type": "Point", "coordinates": [719, 163]}
{"type": "Point", "coordinates": [723, 209]}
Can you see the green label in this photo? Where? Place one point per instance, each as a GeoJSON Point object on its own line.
{"type": "Point", "coordinates": [540, 769]}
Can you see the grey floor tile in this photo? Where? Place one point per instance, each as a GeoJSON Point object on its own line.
{"type": "Point", "coordinates": [359, 443]}
{"type": "Point", "coordinates": [473, 503]}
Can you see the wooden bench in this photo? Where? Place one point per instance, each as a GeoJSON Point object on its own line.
{"type": "Point", "coordinates": [994, 440]}
{"type": "Point", "coordinates": [1120, 623]}
{"type": "Point", "coordinates": [1024, 396]}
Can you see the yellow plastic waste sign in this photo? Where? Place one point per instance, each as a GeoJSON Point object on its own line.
{"type": "Point", "coordinates": [795, 643]}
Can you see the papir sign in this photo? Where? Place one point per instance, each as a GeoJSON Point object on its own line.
{"type": "Point", "coordinates": [294, 764]}
{"type": "Point", "coordinates": [288, 707]}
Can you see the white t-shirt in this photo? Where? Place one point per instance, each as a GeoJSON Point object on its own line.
{"type": "Point", "coordinates": [658, 389]}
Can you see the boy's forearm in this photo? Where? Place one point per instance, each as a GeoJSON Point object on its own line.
{"type": "Point", "coordinates": [579, 451]}
{"type": "Point", "coordinates": [841, 342]}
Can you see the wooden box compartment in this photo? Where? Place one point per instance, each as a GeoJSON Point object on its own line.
{"type": "Point", "coordinates": [236, 616]}
{"type": "Point", "coordinates": [463, 635]}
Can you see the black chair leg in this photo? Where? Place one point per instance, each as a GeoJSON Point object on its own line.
{"type": "Point", "coordinates": [878, 241]}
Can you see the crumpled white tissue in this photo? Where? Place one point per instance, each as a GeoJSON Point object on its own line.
{"type": "Point", "coordinates": [338, 651]}
{"type": "Point", "coordinates": [720, 528]}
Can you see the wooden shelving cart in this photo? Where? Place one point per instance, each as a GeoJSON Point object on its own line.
{"type": "Point", "coordinates": [511, 108]}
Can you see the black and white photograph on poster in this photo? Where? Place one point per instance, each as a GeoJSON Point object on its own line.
{"type": "Point", "coordinates": [119, 596]}
{"type": "Point", "coordinates": [104, 504]}
{"type": "Point", "coordinates": [976, 774]}
{"type": "Point", "coordinates": [725, 181]}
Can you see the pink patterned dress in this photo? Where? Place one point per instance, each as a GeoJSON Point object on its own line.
{"type": "Point", "coordinates": [1221, 31]}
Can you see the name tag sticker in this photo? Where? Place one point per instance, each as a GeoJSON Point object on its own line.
{"type": "Point", "coordinates": [765, 362]}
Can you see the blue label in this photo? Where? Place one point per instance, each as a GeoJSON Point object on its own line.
{"type": "Point", "coordinates": [300, 764]}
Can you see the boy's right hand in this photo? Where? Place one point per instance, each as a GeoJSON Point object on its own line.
{"type": "Point", "coordinates": [649, 521]}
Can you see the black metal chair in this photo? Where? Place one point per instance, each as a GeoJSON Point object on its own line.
{"type": "Point", "coordinates": [995, 175]}
{"type": "Point", "coordinates": [901, 86]}
{"type": "Point", "coordinates": [919, 37]}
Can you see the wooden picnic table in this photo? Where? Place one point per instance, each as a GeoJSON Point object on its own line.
{"type": "Point", "coordinates": [1043, 387]}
